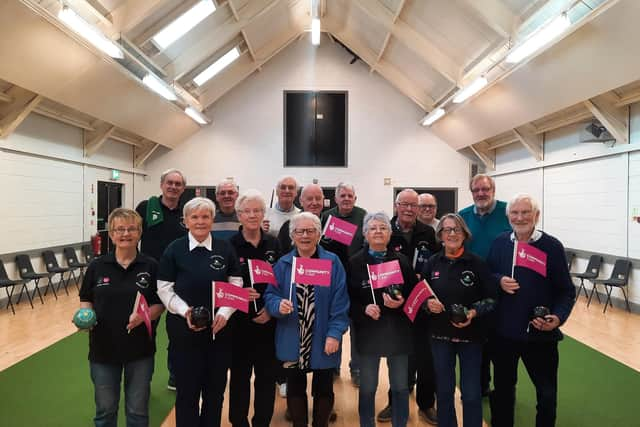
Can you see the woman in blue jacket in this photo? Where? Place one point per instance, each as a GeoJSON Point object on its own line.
{"type": "Point", "coordinates": [310, 324]}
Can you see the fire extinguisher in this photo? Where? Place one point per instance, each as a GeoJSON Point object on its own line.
{"type": "Point", "coordinates": [96, 244]}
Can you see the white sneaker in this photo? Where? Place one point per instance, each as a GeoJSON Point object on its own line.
{"type": "Point", "coordinates": [282, 389]}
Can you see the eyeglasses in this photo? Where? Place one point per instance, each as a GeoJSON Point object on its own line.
{"type": "Point", "coordinates": [302, 231]}
{"type": "Point", "coordinates": [425, 207]}
{"type": "Point", "coordinates": [284, 187]}
{"type": "Point", "coordinates": [174, 183]}
{"type": "Point", "coordinates": [452, 230]}
{"type": "Point", "coordinates": [121, 230]}
{"type": "Point", "coordinates": [227, 193]}
{"type": "Point", "coordinates": [405, 205]}
{"type": "Point", "coordinates": [252, 211]}
{"type": "Point", "coordinates": [481, 190]}
{"type": "Point", "coordinates": [381, 228]}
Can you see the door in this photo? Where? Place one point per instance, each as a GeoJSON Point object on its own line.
{"type": "Point", "coordinates": [109, 198]}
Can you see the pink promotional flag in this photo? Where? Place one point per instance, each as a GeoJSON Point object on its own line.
{"type": "Point", "coordinates": [261, 272]}
{"type": "Point", "coordinates": [141, 307]}
{"type": "Point", "coordinates": [385, 274]}
{"type": "Point", "coordinates": [311, 271]}
{"type": "Point", "coordinates": [339, 230]}
{"type": "Point", "coordinates": [229, 295]}
{"type": "Point", "coordinates": [527, 256]}
{"type": "Point", "coordinates": [420, 293]}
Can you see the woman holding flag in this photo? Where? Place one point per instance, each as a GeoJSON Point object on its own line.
{"type": "Point", "coordinates": [120, 341]}
{"type": "Point", "coordinates": [201, 355]}
{"type": "Point", "coordinates": [310, 303]}
{"type": "Point", "coordinates": [464, 292]}
{"type": "Point", "coordinates": [382, 328]}
{"type": "Point", "coordinates": [253, 343]}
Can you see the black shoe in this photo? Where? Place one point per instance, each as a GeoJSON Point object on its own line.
{"type": "Point", "coordinates": [384, 416]}
{"type": "Point", "coordinates": [287, 415]}
{"type": "Point", "coordinates": [171, 384]}
{"type": "Point", "coordinates": [333, 417]}
{"type": "Point", "coordinates": [355, 379]}
{"type": "Point", "coordinates": [430, 416]}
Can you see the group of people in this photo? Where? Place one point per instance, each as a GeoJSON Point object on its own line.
{"type": "Point", "coordinates": [482, 309]}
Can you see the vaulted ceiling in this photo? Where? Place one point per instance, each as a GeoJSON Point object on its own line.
{"type": "Point", "coordinates": [427, 49]}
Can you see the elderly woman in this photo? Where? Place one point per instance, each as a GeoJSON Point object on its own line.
{"type": "Point", "coordinates": [382, 328]}
{"type": "Point", "coordinates": [522, 332]}
{"type": "Point", "coordinates": [253, 333]}
{"type": "Point", "coordinates": [310, 325]}
{"type": "Point", "coordinates": [464, 287]}
{"type": "Point", "coordinates": [118, 342]}
{"type": "Point", "coordinates": [202, 355]}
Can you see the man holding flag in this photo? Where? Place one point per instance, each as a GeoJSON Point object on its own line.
{"type": "Point", "coordinates": [531, 268]}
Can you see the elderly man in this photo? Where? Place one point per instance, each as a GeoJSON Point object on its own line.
{"type": "Point", "coordinates": [347, 210]}
{"type": "Point", "coordinates": [417, 242]}
{"type": "Point", "coordinates": [286, 191]}
{"type": "Point", "coordinates": [523, 330]}
{"type": "Point", "coordinates": [427, 208]}
{"type": "Point", "coordinates": [162, 224]}
{"type": "Point", "coordinates": [486, 218]}
{"type": "Point", "coordinates": [226, 223]}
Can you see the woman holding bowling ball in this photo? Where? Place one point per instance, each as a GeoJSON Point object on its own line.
{"type": "Point", "coordinates": [383, 330]}
{"type": "Point", "coordinates": [200, 345]}
{"type": "Point", "coordinates": [119, 342]}
{"type": "Point", "coordinates": [465, 291]}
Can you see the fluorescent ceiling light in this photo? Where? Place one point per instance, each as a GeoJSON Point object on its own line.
{"type": "Point", "coordinates": [184, 23]}
{"type": "Point", "coordinates": [467, 92]}
{"type": "Point", "coordinates": [539, 39]}
{"type": "Point", "coordinates": [196, 115]}
{"type": "Point", "coordinates": [217, 66]}
{"type": "Point", "coordinates": [159, 87]}
{"type": "Point", "coordinates": [315, 31]}
{"type": "Point", "coordinates": [433, 116]}
{"type": "Point", "coordinates": [90, 33]}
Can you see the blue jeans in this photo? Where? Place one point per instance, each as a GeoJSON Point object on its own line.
{"type": "Point", "coordinates": [444, 362]}
{"type": "Point", "coordinates": [137, 385]}
{"type": "Point", "coordinates": [354, 363]}
{"type": "Point", "coordinates": [398, 367]}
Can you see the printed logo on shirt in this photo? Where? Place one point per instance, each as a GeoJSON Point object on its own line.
{"type": "Point", "coordinates": [143, 280]}
{"type": "Point", "coordinates": [435, 275]}
{"type": "Point", "coordinates": [397, 248]}
{"type": "Point", "coordinates": [365, 284]}
{"type": "Point", "coordinates": [468, 278]}
{"type": "Point", "coordinates": [270, 257]}
{"type": "Point", "coordinates": [242, 260]}
{"type": "Point", "coordinates": [103, 281]}
{"type": "Point", "coordinates": [217, 262]}
{"type": "Point", "coordinates": [422, 245]}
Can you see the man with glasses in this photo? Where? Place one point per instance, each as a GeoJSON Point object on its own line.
{"type": "Point", "coordinates": [162, 224]}
{"type": "Point", "coordinates": [286, 191]}
{"type": "Point", "coordinates": [427, 208]}
{"type": "Point", "coordinates": [225, 223]}
{"type": "Point", "coordinates": [486, 219]}
{"type": "Point", "coordinates": [417, 242]}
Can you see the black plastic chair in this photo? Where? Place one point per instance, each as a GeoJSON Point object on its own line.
{"type": "Point", "coordinates": [74, 264]}
{"type": "Point", "coordinates": [88, 253]}
{"type": "Point", "coordinates": [53, 268]}
{"type": "Point", "coordinates": [590, 273]}
{"type": "Point", "coordinates": [569, 255]}
{"type": "Point", "coordinates": [25, 269]}
{"type": "Point", "coordinates": [6, 283]}
{"type": "Point", "coordinates": [619, 279]}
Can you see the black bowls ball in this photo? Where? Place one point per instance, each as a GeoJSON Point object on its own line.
{"type": "Point", "coordinates": [200, 317]}
{"type": "Point", "coordinates": [458, 313]}
{"type": "Point", "coordinates": [540, 311]}
{"type": "Point", "coordinates": [394, 291]}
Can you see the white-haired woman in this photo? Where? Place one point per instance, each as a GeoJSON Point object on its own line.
{"type": "Point", "coordinates": [253, 333]}
{"type": "Point", "coordinates": [382, 328]}
{"type": "Point", "coordinates": [310, 324]}
{"type": "Point", "coordinates": [187, 268]}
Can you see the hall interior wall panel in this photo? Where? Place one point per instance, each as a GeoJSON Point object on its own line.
{"type": "Point", "coordinates": [529, 181]}
{"type": "Point", "coordinates": [513, 157]}
{"type": "Point", "coordinates": [634, 206]}
{"type": "Point", "coordinates": [42, 135]}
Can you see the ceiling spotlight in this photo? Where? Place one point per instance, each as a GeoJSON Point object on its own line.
{"type": "Point", "coordinates": [433, 116]}
{"type": "Point", "coordinates": [90, 33]}
{"type": "Point", "coordinates": [470, 90]}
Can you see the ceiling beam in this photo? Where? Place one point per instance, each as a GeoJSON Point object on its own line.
{"type": "Point", "coordinates": [5, 98]}
{"type": "Point", "coordinates": [243, 32]}
{"type": "Point", "coordinates": [385, 43]}
{"type": "Point", "coordinates": [130, 13]}
{"type": "Point", "coordinates": [532, 142]}
{"type": "Point", "coordinates": [494, 14]}
{"type": "Point", "coordinates": [142, 154]}
{"type": "Point", "coordinates": [615, 119]}
{"type": "Point", "coordinates": [51, 113]}
{"type": "Point", "coordinates": [14, 114]}
{"type": "Point", "coordinates": [412, 39]}
{"type": "Point", "coordinates": [93, 141]}
{"type": "Point", "coordinates": [488, 158]}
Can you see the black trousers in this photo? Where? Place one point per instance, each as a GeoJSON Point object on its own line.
{"type": "Point", "coordinates": [541, 361]}
{"type": "Point", "coordinates": [200, 371]}
{"type": "Point", "coordinates": [321, 390]}
{"type": "Point", "coordinates": [252, 354]}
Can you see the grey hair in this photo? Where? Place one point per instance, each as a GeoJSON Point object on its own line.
{"type": "Point", "coordinates": [308, 187]}
{"type": "Point", "coordinates": [226, 182]}
{"type": "Point", "coordinates": [299, 217]}
{"type": "Point", "coordinates": [523, 197]}
{"type": "Point", "coordinates": [480, 176]}
{"type": "Point", "coordinates": [169, 172]}
{"type": "Point", "coordinates": [250, 195]}
{"type": "Point", "coordinates": [375, 216]}
{"type": "Point", "coordinates": [198, 203]}
{"type": "Point", "coordinates": [406, 190]}
{"type": "Point", "coordinates": [427, 194]}
{"type": "Point", "coordinates": [345, 186]}
{"type": "Point", "coordinates": [282, 178]}
{"type": "Point", "coordinates": [459, 222]}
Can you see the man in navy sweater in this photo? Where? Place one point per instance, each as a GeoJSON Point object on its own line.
{"type": "Point", "coordinates": [520, 334]}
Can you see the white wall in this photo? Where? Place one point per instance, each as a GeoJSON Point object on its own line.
{"type": "Point", "coordinates": [246, 138]}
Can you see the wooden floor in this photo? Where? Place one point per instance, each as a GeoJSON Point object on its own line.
{"type": "Point", "coordinates": [31, 330]}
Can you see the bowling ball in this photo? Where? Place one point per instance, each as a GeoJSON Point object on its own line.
{"type": "Point", "coordinates": [394, 291]}
{"type": "Point", "coordinates": [85, 318]}
{"type": "Point", "coordinates": [458, 313]}
{"type": "Point", "coordinates": [540, 311]}
{"type": "Point", "coordinates": [200, 317]}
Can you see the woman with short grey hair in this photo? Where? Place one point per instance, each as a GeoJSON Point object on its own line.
{"type": "Point", "coordinates": [304, 216]}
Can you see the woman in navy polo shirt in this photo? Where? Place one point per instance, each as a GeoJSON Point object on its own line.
{"type": "Point", "coordinates": [119, 341]}
{"type": "Point", "coordinates": [202, 356]}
